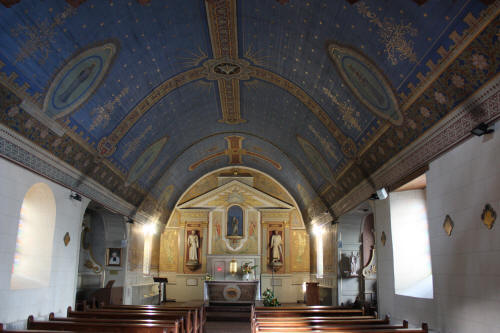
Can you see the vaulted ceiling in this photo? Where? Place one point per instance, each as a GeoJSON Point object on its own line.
{"type": "Point", "coordinates": [145, 97]}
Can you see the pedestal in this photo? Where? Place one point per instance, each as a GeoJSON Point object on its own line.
{"type": "Point", "coordinates": [312, 293]}
{"type": "Point", "coordinates": [162, 290]}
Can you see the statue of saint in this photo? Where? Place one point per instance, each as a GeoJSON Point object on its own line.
{"type": "Point", "coordinates": [354, 264]}
{"type": "Point", "coordinates": [234, 224]}
{"type": "Point", "coordinates": [193, 244]}
{"type": "Point", "coordinates": [276, 247]}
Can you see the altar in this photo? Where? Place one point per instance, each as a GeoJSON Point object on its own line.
{"type": "Point", "coordinates": [232, 288]}
{"type": "Point", "coordinates": [242, 292]}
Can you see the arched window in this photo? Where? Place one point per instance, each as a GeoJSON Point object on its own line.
{"type": "Point", "coordinates": [35, 235]}
{"type": "Point", "coordinates": [411, 247]}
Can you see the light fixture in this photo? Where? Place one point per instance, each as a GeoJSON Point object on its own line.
{"type": "Point", "coordinates": [233, 266]}
{"type": "Point", "coordinates": [75, 196]}
{"type": "Point", "coordinates": [482, 129]}
{"type": "Point", "coordinates": [317, 230]}
{"type": "Point", "coordinates": [149, 229]}
{"type": "Point", "coordinates": [379, 195]}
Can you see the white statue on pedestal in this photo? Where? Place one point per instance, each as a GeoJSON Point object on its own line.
{"type": "Point", "coordinates": [193, 244]}
{"type": "Point", "coordinates": [276, 247]}
{"type": "Point", "coordinates": [354, 264]}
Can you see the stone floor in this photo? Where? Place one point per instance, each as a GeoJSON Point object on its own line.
{"type": "Point", "coordinates": [227, 327]}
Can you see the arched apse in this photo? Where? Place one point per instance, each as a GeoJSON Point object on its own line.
{"type": "Point", "coordinates": [231, 150]}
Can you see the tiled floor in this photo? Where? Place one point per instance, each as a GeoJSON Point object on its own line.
{"type": "Point", "coordinates": [227, 327]}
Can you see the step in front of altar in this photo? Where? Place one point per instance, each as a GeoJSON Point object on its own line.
{"type": "Point", "coordinates": [229, 312]}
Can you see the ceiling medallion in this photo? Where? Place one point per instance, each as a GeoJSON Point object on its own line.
{"type": "Point", "coordinates": [448, 225]}
{"type": "Point", "coordinates": [383, 238]}
{"type": "Point", "coordinates": [488, 216]}
{"type": "Point", "coordinates": [227, 69]}
{"type": "Point", "coordinates": [366, 81]}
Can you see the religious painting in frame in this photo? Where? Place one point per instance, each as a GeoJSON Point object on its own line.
{"type": "Point", "coordinates": [235, 222]}
{"type": "Point", "coordinates": [114, 256]}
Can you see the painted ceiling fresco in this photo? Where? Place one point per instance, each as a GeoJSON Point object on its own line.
{"type": "Point", "coordinates": [145, 97]}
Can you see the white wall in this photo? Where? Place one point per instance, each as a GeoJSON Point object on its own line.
{"type": "Point", "coordinates": [17, 305]}
{"type": "Point", "coordinates": [466, 266]}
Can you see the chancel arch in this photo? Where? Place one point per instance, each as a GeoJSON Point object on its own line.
{"type": "Point", "coordinates": [235, 214]}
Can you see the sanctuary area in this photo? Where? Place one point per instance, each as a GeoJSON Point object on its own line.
{"type": "Point", "coordinates": [190, 166]}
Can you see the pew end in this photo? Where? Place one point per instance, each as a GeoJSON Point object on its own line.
{"type": "Point", "coordinates": [405, 323]}
{"type": "Point", "coordinates": [68, 311]}
{"type": "Point", "coordinates": [425, 327]}
{"type": "Point", "coordinates": [30, 321]}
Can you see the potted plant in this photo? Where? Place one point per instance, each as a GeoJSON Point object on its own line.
{"type": "Point", "coordinates": [247, 269]}
{"type": "Point", "coordinates": [269, 299]}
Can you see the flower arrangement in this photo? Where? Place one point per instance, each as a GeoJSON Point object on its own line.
{"type": "Point", "coordinates": [209, 277]}
{"type": "Point", "coordinates": [247, 268]}
{"type": "Point", "coordinates": [269, 299]}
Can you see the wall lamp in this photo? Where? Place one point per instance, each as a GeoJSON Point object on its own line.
{"type": "Point", "coordinates": [379, 195]}
{"type": "Point", "coordinates": [149, 228]}
{"type": "Point", "coordinates": [482, 129]}
{"type": "Point", "coordinates": [75, 196]}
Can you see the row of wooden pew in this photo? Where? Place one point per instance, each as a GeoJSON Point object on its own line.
{"type": "Point", "coordinates": [171, 318]}
{"type": "Point", "coordinates": [289, 319]}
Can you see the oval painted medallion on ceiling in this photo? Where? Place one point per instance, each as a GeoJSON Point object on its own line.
{"type": "Point", "coordinates": [146, 159]}
{"type": "Point", "coordinates": [367, 82]}
{"type": "Point", "coordinates": [317, 161]}
{"type": "Point", "coordinates": [78, 79]}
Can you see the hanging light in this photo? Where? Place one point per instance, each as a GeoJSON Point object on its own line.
{"type": "Point", "coordinates": [233, 266]}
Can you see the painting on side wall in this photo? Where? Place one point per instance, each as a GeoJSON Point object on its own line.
{"type": "Point", "coordinates": [169, 250]}
{"type": "Point", "coordinates": [114, 256]}
{"type": "Point", "coordinates": [235, 222]}
{"type": "Point", "coordinates": [300, 251]}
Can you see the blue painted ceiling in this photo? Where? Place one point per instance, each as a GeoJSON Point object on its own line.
{"type": "Point", "coordinates": [164, 39]}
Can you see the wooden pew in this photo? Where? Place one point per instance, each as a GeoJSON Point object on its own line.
{"type": "Point", "coordinates": [198, 308]}
{"type": "Point", "coordinates": [165, 322]}
{"type": "Point", "coordinates": [2, 329]}
{"type": "Point", "coordinates": [184, 317]}
{"type": "Point", "coordinates": [346, 329]}
{"type": "Point", "coordinates": [118, 327]}
{"type": "Point", "coordinates": [285, 312]}
{"type": "Point", "coordinates": [324, 325]}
